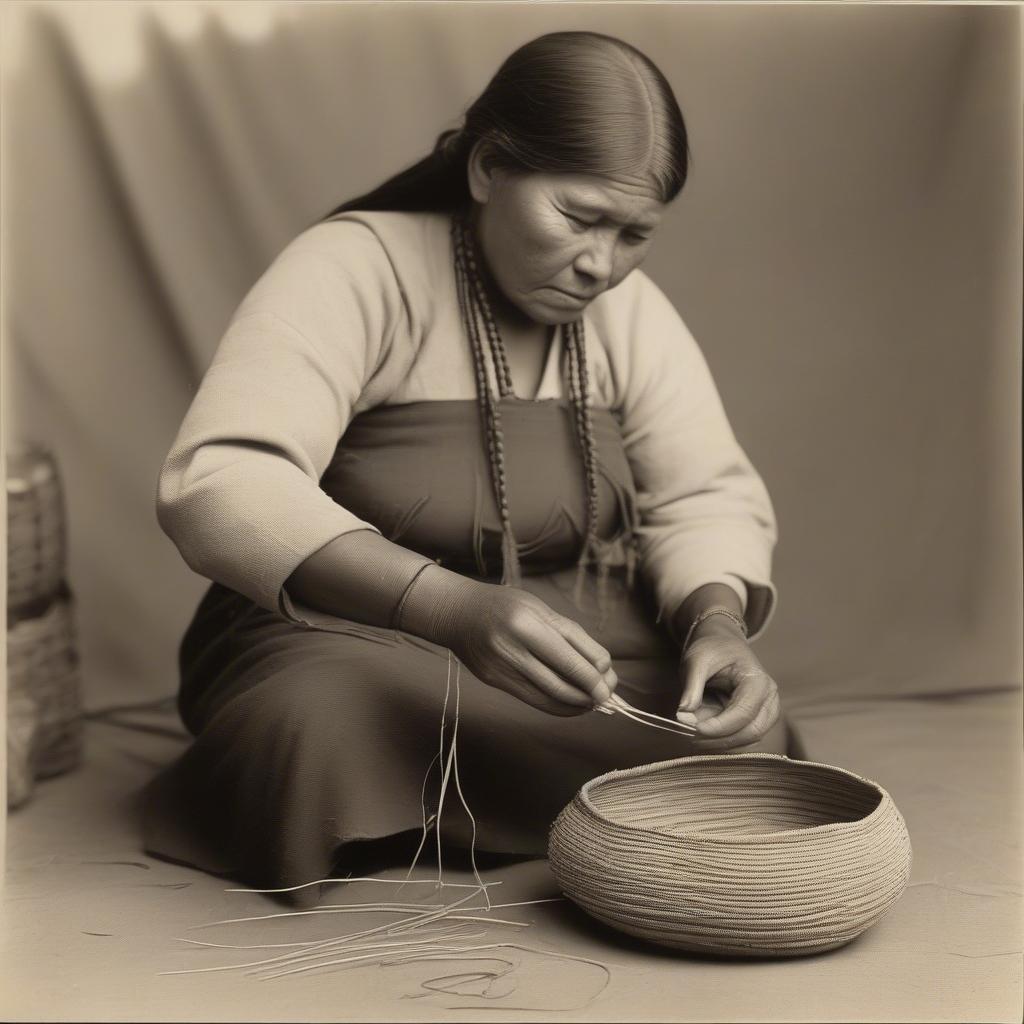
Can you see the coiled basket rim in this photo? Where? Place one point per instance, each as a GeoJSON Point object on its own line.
{"type": "Point", "coordinates": [583, 800]}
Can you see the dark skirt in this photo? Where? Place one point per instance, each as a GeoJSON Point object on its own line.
{"type": "Point", "coordinates": [309, 743]}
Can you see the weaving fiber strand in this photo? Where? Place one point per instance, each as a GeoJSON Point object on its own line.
{"type": "Point", "coordinates": [742, 855]}
{"type": "Point", "coordinates": [683, 725]}
{"type": "Point", "coordinates": [432, 926]}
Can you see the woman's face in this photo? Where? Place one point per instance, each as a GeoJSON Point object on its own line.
{"type": "Point", "coordinates": [554, 242]}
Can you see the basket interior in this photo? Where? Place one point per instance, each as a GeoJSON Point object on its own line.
{"type": "Point", "coordinates": [733, 796]}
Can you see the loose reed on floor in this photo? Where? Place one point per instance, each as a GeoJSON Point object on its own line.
{"type": "Point", "coordinates": [436, 932]}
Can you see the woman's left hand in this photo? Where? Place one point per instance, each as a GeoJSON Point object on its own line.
{"type": "Point", "coordinates": [721, 660]}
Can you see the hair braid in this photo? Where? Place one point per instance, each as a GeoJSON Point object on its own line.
{"type": "Point", "coordinates": [589, 443]}
{"type": "Point", "coordinates": [592, 459]}
{"type": "Point", "coordinates": [501, 368]}
{"type": "Point", "coordinates": [474, 306]}
{"type": "Point", "coordinates": [489, 411]}
{"type": "Point", "coordinates": [579, 392]}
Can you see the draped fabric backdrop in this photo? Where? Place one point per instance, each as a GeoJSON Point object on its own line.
{"type": "Point", "coordinates": [847, 252]}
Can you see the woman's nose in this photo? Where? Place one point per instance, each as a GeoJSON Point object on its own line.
{"type": "Point", "coordinates": [597, 259]}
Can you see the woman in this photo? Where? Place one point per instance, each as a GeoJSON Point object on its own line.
{"type": "Point", "coordinates": [448, 420]}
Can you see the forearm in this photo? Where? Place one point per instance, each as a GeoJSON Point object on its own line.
{"type": "Point", "coordinates": [711, 595]}
{"type": "Point", "coordinates": [366, 578]}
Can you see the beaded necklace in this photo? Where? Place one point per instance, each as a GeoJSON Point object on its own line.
{"type": "Point", "coordinates": [474, 308]}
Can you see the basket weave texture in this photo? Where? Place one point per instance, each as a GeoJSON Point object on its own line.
{"type": "Point", "coordinates": [36, 532]}
{"type": "Point", "coordinates": [42, 665]}
{"type": "Point", "coordinates": [736, 854]}
{"type": "Point", "coordinates": [44, 735]}
{"type": "Point", "coordinates": [22, 724]}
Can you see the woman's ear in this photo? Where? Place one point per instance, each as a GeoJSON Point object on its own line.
{"type": "Point", "coordinates": [480, 169]}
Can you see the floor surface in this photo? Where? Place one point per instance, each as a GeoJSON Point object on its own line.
{"type": "Point", "coordinates": [89, 922]}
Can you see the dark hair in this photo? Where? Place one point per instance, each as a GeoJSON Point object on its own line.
{"type": "Point", "coordinates": [566, 102]}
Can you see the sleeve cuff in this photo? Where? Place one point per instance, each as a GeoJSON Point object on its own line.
{"type": "Point", "coordinates": [737, 584]}
{"type": "Point", "coordinates": [372, 584]}
{"type": "Point", "coordinates": [302, 615]}
{"type": "Point", "coordinates": [762, 599]}
{"type": "Point", "coordinates": [758, 601]}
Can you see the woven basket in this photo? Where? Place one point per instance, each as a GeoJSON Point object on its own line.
{"type": "Point", "coordinates": [36, 535]}
{"type": "Point", "coordinates": [736, 854]}
{"type": "Point", "coordinates": [22, 724]}
{"type": "Point", "coordinates": [42, 664]}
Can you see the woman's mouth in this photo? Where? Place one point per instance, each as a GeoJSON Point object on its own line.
{"type": "Point", "coordinates": [569, 297]}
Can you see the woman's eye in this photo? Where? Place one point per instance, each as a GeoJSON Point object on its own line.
{"type": "Point", "coordinates": [636, 239]}
{"type": "Point", "coordinates": [577, 222]}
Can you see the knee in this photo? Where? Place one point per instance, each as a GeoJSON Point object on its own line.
{"type": "Point", "coordinates": [288, 707]}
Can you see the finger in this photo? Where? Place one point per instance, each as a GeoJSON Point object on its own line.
{"type": "Point", "coordinates": [765, 719]}
{"type": "Point", "coordinates": [696, 672]}
{"type": "Point", "coordinates": [551, 648]}
{"type": "Point", "coordinates": [746, 701]}
{"type": "Point", "coordinates": [529, 694]}
{"type": "Point", "coordinates": [760, 722]}
{"type": "Point", "coordinates": [597, 655]}
{"type": "Point", "coordinates": [536, 673]}
{"type": "Point", "coordinates": [709, 707]}
{"type": "Point", "coordinates": [687, 718]}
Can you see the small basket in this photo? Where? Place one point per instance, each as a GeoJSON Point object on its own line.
{"type": "Point", "coordinates": [735, 854]}
{"type": "Point", "coordinates": [42, 664]}
{"type": "Point", "coordinates": [22, 725]}
{"type": "Point", "coordinates": [36, 532]}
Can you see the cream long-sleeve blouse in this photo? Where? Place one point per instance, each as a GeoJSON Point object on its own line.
{"type": "Point", "coordinates": [361, 311]}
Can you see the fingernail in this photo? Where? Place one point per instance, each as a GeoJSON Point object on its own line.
{"type": "Point", "coordinates": [687, 717]}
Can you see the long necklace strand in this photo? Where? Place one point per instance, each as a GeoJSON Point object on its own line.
{"type": "Point", "coordinates": [595, 546]}
{"type": "Point", "coordinates": [501, 368]}
{"type": "Point", "coordinates": [489, 410]}
{"type": "Point", "coordinates": [473, 306]}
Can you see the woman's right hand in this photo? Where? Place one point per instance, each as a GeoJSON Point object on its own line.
{"type": "Point", "coordinates": [512, 640]}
